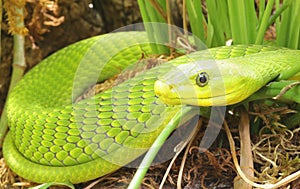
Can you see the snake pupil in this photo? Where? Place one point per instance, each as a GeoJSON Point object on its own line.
{"type": "Point", "coordinates": [202, 79]}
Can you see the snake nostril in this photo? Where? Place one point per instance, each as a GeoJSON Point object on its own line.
{"type": "Point", "coordinates": [162, 88]}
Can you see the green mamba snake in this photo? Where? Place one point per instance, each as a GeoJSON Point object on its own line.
{"type": "Point", "coordinates": [52, 139]}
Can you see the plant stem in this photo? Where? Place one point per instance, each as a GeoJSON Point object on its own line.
{"type": "Point", "coordinates": [187, 113]}
{"type": "Point", "coordinates": [19, 64]}
{"type": "Point", "coordinates": [246, 159]}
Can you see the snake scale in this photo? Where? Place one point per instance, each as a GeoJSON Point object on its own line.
{"type": "Point", "coordinates": [51, 138]}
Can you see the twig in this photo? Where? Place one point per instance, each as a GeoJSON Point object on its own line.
{"type": "Point", "coordinates": [191, 139]}
{"type": "Point", "coordinates": [178, 149]}
{"type": "Point", "coordinates": [286, 89]}
{"type": "Point", "coordinates": [158, 8]}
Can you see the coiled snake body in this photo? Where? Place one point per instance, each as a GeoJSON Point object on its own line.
{"type": "Point", "coordinates": [53, 139]}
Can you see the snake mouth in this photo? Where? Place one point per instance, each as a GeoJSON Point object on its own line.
{"type": "Point", "coordinates": [212, 101]}
{"type": "Point", "coordinates": [171, 96]}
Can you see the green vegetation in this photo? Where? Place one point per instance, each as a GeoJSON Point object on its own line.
{"type": "Point", "coordinates": [245, 22]}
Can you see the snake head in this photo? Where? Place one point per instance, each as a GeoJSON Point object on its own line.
{"type": "Point", "coordinates": [205, 83]}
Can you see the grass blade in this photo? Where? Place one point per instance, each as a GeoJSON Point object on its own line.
{"type": "Point", "coordinates": [196, 18]}
{"type": "Point", "coordinates": [238, 21]}
{"type": "Point", "coordinates": [264, 22]}
{"type": "Point", "coordinates": [155, 32]}
{"type": "Point", "coordinates": [251, 20]}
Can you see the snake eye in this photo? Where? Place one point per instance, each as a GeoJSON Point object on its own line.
{"type": "Point", "coordinates": [202, 79]}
